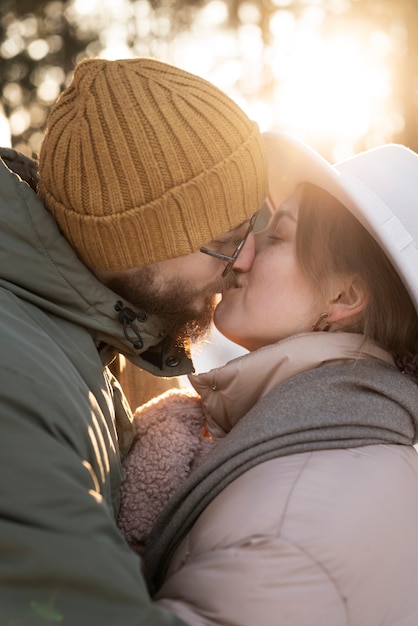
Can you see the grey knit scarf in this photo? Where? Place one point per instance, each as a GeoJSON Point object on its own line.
{"type": "Point", "coordinates": [343, 405]}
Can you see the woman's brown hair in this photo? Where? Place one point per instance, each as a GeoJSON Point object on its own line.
{"type": "Point", "coordinates": [331, 241]}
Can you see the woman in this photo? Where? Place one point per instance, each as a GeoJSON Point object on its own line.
{"type": "Point", "coordinates": [305, 512]}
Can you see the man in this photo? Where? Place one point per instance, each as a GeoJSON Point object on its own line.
{"type": "Point", "coordinates": [142, 166]}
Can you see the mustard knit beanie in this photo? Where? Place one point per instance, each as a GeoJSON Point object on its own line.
{"type": "Point", "coordinates": [143, 162]}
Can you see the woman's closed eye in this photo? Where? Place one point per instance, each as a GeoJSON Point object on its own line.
{"type": "Point", "coordinates": [275, 238]}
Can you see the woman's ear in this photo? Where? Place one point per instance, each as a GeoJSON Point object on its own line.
{"type": "Point", "coordinates": [350, 301]}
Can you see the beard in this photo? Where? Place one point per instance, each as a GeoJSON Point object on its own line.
{"type": "Point", "coordinates": [174, 303]}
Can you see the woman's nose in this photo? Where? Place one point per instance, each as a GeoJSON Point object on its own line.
{"type": "Point", "coordinates": [246, 256]}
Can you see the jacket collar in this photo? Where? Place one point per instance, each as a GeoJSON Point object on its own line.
{"type": "Point", "coordinates": [230, 391]}
{"type": "Point", "coordinates": [47, 273]}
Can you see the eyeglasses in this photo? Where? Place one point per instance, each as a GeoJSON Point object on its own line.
{"type": "Point", "coordinates": [232, 257]}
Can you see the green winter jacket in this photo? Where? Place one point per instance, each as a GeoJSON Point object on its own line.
{"type": "Point", "coordinates": [63, 422]}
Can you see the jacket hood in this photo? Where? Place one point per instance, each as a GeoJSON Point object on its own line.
{"type": "Point", "coordinates": [39, 265]}
{"type": "Point", "coordinates": [230, 391]}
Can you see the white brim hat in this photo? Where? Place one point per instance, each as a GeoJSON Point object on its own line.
{"type": "Point", "coordinates": [379, 187]}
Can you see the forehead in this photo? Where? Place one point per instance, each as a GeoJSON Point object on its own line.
{"type": "Point", "coordinates": [288, 209]}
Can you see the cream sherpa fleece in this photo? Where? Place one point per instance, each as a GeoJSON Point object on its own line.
{"type": "Point", "coordinates": [170, 441]}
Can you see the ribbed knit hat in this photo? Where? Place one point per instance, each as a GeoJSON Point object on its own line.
{"type": "Point", "coordinates": [143, 162]}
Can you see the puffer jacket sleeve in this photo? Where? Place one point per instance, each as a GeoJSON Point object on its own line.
{"type": "Point", "coordinates": [62, 556]}
{"type": "Point", "coordinates": [239, 586]}
{"type": "Point", "coordinates": [324, 537]}
{"type": "Point", "coordinates": [241, 565]}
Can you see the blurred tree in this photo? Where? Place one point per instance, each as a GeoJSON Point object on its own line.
{"type": "Point", "coordinates": [41, 40]}
{"type": "Point", "coordinates": [38, 48]}
{"type": "Point", "coordinates": [407, 87]}
{"type": "Point", "coordinates": [398, 18]}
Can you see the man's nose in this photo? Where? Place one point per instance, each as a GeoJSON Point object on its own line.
{"type": "Point", "coordinates": [246, 256]}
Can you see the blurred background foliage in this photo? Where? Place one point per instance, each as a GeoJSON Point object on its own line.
{"type": "Point", "coordinates": [340, 74]}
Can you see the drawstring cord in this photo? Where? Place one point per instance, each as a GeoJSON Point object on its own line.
{"type": "Point", "coordinates": [126, 316]}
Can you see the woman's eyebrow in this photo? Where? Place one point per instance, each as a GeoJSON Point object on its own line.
{"type": "Point", "coordinates": [280, 214]}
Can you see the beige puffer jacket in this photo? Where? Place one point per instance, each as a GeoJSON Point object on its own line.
{"type": "Point", "coordinates": [323, 538]}
{"type": "Point", "coordinates": [296, 552]}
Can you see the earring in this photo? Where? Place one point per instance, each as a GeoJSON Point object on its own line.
{"type": "Point", "coordinates": [321, 324]}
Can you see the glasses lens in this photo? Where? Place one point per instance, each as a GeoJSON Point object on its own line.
{"type": "Point", "coordinates": [240, 245]}
{"type": "Point", "coordinates": [231, 254]}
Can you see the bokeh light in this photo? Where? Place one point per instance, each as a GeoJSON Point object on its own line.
{"type": "Point", "coordinates": [320, 69]}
